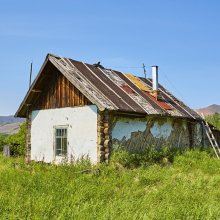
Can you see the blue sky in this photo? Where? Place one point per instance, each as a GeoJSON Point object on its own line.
{"type": "Point", "coordinates": [182, 37]}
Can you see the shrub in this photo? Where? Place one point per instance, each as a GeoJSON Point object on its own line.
{"type": "Point", "coordinates": [214, 120]}
{"type": "Point", "coordinates": [2, 142]}
{"type": "Point", "coordinates": [150, 155]}
{"type": "Point", "coordinates": [17, 141]}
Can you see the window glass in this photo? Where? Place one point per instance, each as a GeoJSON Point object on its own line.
{"type": "Point", "coordinates": [61, 141]}
{"type": "Point", "coordinates": [64, 145]}
{"type": "Point", "coordinates": [64, 132]}
{"type": "Point", "coordinates": [58, 146]}
{"type": "Point", "coordinates": [58, 132]}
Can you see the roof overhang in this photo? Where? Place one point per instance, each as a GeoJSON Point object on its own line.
{"type": "Point", "coordinates": [34, 90]}
{"type": "Point", "coordinates": [104, 90]}
{"type": "Point", "coordinates": [53, 62]}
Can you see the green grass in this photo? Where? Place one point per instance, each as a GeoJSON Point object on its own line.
{"type": "Point", "coordinates": [130, 187]}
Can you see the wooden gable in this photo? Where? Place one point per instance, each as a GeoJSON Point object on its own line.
{"type": "Point", "coordinates": [59, 92]}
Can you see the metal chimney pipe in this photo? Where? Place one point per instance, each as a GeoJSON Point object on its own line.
{"type": "Point", "coordinates": [155, 77]}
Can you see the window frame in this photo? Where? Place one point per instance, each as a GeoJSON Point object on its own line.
{"type": "Point", "coordinates": [55, 140]}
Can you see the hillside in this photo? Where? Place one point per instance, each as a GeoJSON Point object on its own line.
{"type": "Point", "coordinates": [210, 110]}
{"type": "Point", "coordinates": [9, 119]}
{"type": "Point", "coordinates": [12, 128]}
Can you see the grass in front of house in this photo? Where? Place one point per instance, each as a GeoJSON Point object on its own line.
{"type": "Point", "coordinates": [130, 187]}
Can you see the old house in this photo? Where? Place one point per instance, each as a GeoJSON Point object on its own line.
{"type": "Point", "coordinates": [74, 109]}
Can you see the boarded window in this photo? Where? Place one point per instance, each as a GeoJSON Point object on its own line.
{"type": "Point", "coordinates": [61, 141]}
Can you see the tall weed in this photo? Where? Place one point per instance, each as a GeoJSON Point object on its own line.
{"type": "Point", "coordinates": [150, 155]}
{"type": "Point", "coordinates": [186, 188]}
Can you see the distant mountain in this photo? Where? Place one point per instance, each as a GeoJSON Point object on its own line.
{"type": "Point", "coordinates": [9, 119]}
{"type": "Point", "coordinates": [9, 128]}
{"type": "Point", "coordinates": [210, 110]}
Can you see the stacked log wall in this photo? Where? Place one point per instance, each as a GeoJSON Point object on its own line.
{"type": "Point", "coordinates": [107, 134]}
{"type": "Point", "coordinates": [100, 137]}
{"type": "Point", "coordinates": [104, 136]}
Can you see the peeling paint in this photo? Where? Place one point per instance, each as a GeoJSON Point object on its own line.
{"type": "Point", "coordinates": [162, 131]}
{"type": "Point", "coordinates": [179, 139]}
{"type": "Point", "coordinates": [139, 133]}
{"type": "Point", "coordinates": [198, 127]}
{"type": "Point", "coordinates": [184, 124]}
{"type": "Point", "coordinates": [125, 127]}
{"type": "Point", "coordinates": [115, 146]}
{"type": "Point", "coordinates": [198, 134]}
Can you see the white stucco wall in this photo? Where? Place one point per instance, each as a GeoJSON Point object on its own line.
{"type": "Point", "coordinates": [82, 132]}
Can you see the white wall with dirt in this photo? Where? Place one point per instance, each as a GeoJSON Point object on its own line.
{"type": "Point", "coordinates": [81, 125]}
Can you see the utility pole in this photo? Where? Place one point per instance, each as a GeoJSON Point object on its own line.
{"type": "Point", "coordinates": [144, 70]}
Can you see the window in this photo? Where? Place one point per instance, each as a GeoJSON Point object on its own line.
{"type": "Point", "coordinates": [61, 141]}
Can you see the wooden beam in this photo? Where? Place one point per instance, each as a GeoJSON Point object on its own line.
{"type": "Point", "coordinates": [59, 90]}
{"type": "Point", "coordinates": [86, 101]}
{"type": "Point", "coordinates": [76, 98]}
{"type": "Point", "coordinates": [72, 95]}
{"type": "Point", "coordinates": [48, 97]}
{"type": "Point", "coordinates": [63, 92]}
{"type": "Point", "coordinates": [51, 94]}
{"type": "Point", "coordinates": [47, 74]}
{"type": "Point", "coordinates": [80, 98]}
{"type": "Point", "coordinates": [83, 102]}
{"type": "Point", "coordinates": [67, 93]}
{"type": "Point", "coordinates": [36, 90]}
{"type": "Point", "coordinates": [54, 90]}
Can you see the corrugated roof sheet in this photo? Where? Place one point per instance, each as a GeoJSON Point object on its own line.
{"type": "Point", "coordinates": [110, 89]}
{"type": "Point", "coordinates": [137, 82]}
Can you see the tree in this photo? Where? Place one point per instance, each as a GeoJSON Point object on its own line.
{"type": "Point", "coordinates": [214, 120]}
{"type": "Point", "coordinates": [2, 142]}
{"type": "Point", "coordinates": [17, 141]}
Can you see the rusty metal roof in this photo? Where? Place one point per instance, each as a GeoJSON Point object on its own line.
{"type": "Point", "coordinates": [108, 89]}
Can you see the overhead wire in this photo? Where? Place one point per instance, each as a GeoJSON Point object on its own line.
{"type": "Point", "coordinates": [132, 67]}
{"type": "Point", "coordinates": [149, 73]}
{"type": "Point", "coordinates": [173, 85]}
{"type": "Point", "coordinates": [123, 67]}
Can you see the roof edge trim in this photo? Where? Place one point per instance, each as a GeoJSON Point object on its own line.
{"type": "Point", "coordinates": [32, 85]}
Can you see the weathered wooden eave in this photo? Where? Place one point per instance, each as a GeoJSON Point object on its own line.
{"type": "Point", "coordinates": [53, 59]}
{"type": "Point", "coordinates": [30, 90]}
{"type": "Point", "coordinates": [68, 72]}
{"type": "Point", "coordinates": [104, 89]}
